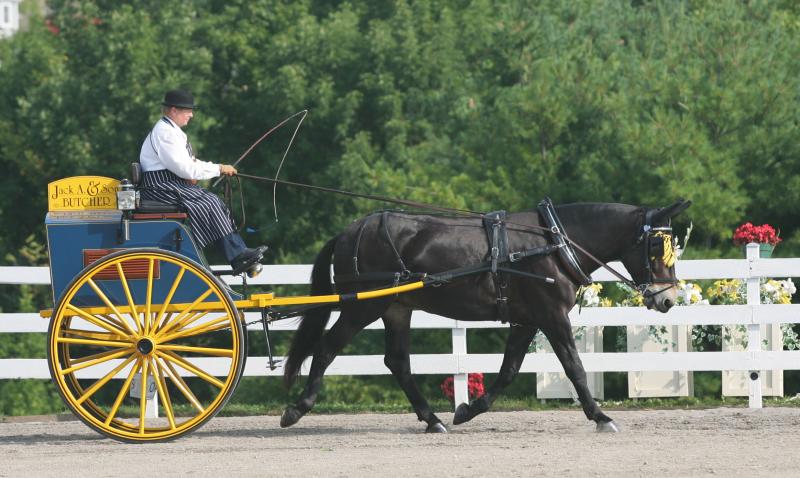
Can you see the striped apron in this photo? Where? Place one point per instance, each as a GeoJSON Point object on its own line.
{"type": "Point", "coordinates": [209, 216]}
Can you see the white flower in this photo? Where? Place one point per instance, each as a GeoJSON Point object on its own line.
{"type": "Point", "coordinates": [690, 294]}
{"type": "Point", "coordinates": [769, 287]}
{"type": "Point", "coordinates": [590, 297]}
{"type": "Point", "coordinates": [788, 287]}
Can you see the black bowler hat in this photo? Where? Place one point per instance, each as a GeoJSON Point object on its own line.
{"type": "Point", "coordinates": [179, 99]}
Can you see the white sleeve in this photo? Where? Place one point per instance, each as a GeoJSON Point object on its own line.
{"type": "Point", "coordinates": [174, 156]}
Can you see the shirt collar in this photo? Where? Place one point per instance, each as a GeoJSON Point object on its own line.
{"type": "Point", "coordinates": [169, 122]}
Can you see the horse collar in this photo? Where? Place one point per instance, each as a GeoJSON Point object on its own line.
{"type": "Point", "coordinates": [559, 237]}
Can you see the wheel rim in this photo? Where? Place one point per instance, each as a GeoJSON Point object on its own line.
{"type": "Point", "coordinates": [174, 325]}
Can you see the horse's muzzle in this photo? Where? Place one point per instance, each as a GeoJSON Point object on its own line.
{"type": "Point", "coordinates": [660, 297]}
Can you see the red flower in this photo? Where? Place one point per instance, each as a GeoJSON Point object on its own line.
{"type": "Point", "coordinates": [747, 233]}
{"type": "Point", "coordinates": [474, 386]}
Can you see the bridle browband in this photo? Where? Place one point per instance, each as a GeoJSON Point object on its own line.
{"type": "Point", "coordinates": [560, 232]}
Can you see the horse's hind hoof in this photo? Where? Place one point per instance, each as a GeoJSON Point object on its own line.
{"type": "Point", "coordinates": [290, 416]}
{"type": "Point", "coordinates": [463, 414]}
{"type": "Point", "coordinates": [607, 427]}
{"type": "Point", "coordinates": [437, 427]}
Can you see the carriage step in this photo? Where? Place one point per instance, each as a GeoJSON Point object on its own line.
{"type": "Point", "coordinates": [274, 363]}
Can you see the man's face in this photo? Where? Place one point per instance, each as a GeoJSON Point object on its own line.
{"type": "Point", "coordinates": [180, 116]}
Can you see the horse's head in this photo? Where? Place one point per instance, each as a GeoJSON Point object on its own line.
{"type": "Point", "coordinates": [651, 262]}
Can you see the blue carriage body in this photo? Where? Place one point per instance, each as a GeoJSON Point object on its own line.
{"type": "Point", "coordinates": [75, 239]}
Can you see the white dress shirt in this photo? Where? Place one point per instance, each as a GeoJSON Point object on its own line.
{"type": "Point", "coordinates": [166, 148]}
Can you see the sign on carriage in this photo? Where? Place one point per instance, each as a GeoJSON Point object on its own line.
{"type": "Point", "coordinates": [82, 193]}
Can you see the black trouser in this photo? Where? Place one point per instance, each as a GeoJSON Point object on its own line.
{"type": "Point", "coordinates": [231, 246]}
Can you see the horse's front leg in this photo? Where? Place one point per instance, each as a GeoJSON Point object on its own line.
{"type": "Point", "coordinates": [563, 343]}
{"type": "Point", "coordinates": [519, 338]}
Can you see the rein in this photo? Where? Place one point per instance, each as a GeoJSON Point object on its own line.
{"type": "Point", "coordinates": [462, 212]}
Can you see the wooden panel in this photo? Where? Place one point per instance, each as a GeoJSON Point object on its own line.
{"type": "Point", "coordinates": [133, 269]}
{"type": "Point", "coordinates": [679, 383]}
{"type": "Point", "coordinates": [556, 384]}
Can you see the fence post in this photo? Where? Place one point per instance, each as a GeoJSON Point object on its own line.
{"type": "Point", "coordinates": [460, 379]}
{"type": "Point", "coordinates": [754, 330]}
{"type": "Point", "coordinates": [151, 407]}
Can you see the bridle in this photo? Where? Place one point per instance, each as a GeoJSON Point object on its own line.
{"type": "Point", "coordinates": [660, 244]}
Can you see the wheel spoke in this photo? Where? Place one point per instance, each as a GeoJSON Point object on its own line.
{"type": "Point", "coordinates": [181, 385]}
{"type": "Point", "coordinates": [179, 319]}
{"type": "Point", "coordinates": [94, 335]}
{"type": "Point", "coordinates": [149, 301]}
{"type": "Point", "coordinates": [96, 386]}
{"type": "Point", "coordinates": [180, 361]}
{"type": "Point", "coordinates": [96, 359]}
{"type": "Point", "coordinates": [155, 369]}
{"type": "Point", "coordinates": [114, 321]}
{"type": "Point", "coordinates": [110, 305]}
{"type": "Point", "coordinates": [170, 324]}
{"type": "Point", "coordinates": [199, 350]}
{"type": "Point", "coordinates": [127, 290]}
{"type": "Point", "coordinates": [121, 395]}
{"type": "Point", "coordinates": [212, 326]}
{"type": "Point", "coordinates": [143, 396]}
{"type": "Point", "coordinates": [96, 343]}
{"type": "Point", "coordinates": [100, 323]}
{"type": "Point", "coordinates": [172, 290]}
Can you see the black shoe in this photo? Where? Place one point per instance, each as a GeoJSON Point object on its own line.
{"type": "Point", "coordinates": [249, 261]}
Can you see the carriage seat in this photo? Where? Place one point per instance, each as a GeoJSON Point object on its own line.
{"type": "Point", "coordinates": [151, 209]}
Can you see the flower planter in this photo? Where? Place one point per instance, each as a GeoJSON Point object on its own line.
{"type": "Point", "coordinates": [764, 250]}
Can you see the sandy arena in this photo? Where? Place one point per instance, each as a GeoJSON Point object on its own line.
{"type": "Point", "coordinates": [721, 442]}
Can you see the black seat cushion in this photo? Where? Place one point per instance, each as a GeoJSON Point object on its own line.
{"type": "Point", "coordinates": [149, 205]}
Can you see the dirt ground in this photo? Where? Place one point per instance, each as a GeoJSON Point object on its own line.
{"type": "Point", "coordinates": [721, 442]}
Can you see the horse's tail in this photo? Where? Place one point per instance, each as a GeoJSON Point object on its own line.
{"type": "Point", "coordinates": [313, 322]}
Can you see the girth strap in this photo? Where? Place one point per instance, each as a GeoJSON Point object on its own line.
{"type": "Point", "coordinates": [494, 223]}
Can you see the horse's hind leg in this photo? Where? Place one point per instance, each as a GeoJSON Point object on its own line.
{"type": "Point", "coordinates": [519, 338]}
{"type": "Point", "coordinates": [397, 323]}
{"type": "Point", "coordinates": [563, 343]}
{"type": "Point", "coordinates": [353, 318]}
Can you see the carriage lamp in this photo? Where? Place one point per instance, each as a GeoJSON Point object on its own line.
{"type": "Point", "coordinates": [126, 196]}
{"type": "Point", "coordinates": [126, 202]}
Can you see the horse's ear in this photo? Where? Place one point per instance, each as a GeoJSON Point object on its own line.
{"type": "Point", "coordinates": [665, 213]}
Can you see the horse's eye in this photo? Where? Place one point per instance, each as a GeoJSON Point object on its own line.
{"type": "Point", "coordinates": [656, 247]}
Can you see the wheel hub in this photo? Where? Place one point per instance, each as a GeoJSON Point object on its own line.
{"type": "Point", "coordinates": [145, 346]}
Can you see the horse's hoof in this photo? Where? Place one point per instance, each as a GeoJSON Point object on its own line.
{"type": "Point", "coordinates": [437, 427]}
{"type": "Point", "coordinates": [607, 427]}
{"type": "Point", "coordinates": [463, 414]}
{"type": "Point", "coordinates": [290, 416]}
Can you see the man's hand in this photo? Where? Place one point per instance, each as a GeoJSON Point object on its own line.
{"type": "Point", "coordinates": [226, 170]}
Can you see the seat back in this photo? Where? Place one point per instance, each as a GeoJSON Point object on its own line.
{"type": "Point", "coordinates": [136, 173]}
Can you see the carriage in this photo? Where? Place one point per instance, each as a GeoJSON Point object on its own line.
{"type": "Point", "coordinates": [140, 319]}
{"type": "Point", "coordinates": [135, 299]}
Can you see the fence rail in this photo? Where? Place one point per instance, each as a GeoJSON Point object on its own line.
{"type": "Point", "coordinates": [459, 362]}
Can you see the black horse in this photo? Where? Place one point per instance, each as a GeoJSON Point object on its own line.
{"type": "Point", "coordinates": [394, 241]}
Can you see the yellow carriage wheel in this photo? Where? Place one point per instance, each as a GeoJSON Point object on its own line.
{"type": "Point", "coordinates": [145, 345]}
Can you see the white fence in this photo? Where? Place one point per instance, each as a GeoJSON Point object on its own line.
{"type": "Point", "coordinates": [459, 362]}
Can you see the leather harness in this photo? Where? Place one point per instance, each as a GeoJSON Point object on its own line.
{"type": "Point", "coordinates": [499, 263]}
